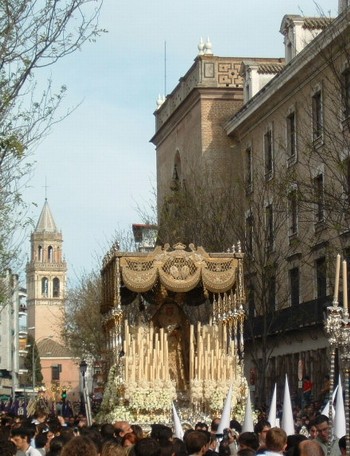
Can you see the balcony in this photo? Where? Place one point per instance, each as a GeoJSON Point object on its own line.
{"type": "Point", "coordinates": [303, 315]}
{"type": "Point", "coordinates": [22, 353]}
{"type": "Point", "coordinates": [22, 330]}
{"type": "Point", "coordinates": [22, 371]}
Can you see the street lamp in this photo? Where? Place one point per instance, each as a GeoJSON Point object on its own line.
{"type": "Point", "coordinates": [83, 368]}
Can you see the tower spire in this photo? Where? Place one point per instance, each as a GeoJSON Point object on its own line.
{"type": "Point", "coordinates": [46, 222]}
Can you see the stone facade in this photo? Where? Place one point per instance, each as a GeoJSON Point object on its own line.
{"type": "Point", "coordinates": [289, 146]}
{"type": "Point", "coordinates": [304, 109]}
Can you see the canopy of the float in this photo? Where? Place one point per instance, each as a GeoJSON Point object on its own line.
{"type": "Point", "coordinates": [179, 270]}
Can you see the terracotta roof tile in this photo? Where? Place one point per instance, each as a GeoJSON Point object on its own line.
{"type": "Point", "coordinates": [270, 68]}
{"type": "Point", "coordinates": [316, 23]}
{"type": "Point", "coordinates": [52, 349]}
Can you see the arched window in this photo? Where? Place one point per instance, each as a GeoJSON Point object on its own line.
{"type": "Point", "coordinates": [40, 253]}
{"type": "Point", "coordinates": [44, 286]}
{"type": "Point", "coordinates": [177, 165]}
{"type": "Point", "coordinates": [50, 254]}
{"type": "Point", "coordinates": [176, 181]}
{"type": "Point", "coordinates": [56, 287]}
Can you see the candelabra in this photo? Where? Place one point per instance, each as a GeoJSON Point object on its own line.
{"type": "Point", "coordinates": [338, 331]}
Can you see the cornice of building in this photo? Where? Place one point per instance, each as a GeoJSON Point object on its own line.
{"type": "Point", "coordinates": [47, 236]}
{"type": "Point", "coordinates": [299, 63]}
{"type": "Point", "coordinates": [44, 267]}
{"type": "Point", "coordinates": [208, 72]}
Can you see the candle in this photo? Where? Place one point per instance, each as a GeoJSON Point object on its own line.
{"type": "Point", "coordinates": [166, 349]}
{"type": "Point", "coordinates": [191, 352]}
{"type": "Point", "coordinates": [336, 284]}
{"type": "Point", "coordinates": [161, 342]}
{"type": "Point", "coordinates": [151, 336]}
{"type": "Point", "coordinates": [345, 287]}
{"type": "Point", "coordinates": [133, 377]}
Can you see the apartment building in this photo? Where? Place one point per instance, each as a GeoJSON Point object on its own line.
{"type": "Point", "coordinates": [277, 131]}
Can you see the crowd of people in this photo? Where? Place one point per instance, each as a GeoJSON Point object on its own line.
{"type": "Point", "coordinates": [54, 435]}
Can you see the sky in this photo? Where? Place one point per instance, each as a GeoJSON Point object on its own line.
{"type": "Point", "coordinates": [98, 166]}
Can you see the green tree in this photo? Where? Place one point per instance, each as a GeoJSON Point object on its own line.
{"type": "Point", "coordinates": [35, 34]}
{"type": "Point", "coordinates": [199, 214]}
{"type": "Point", "coordinates": [216, 218]}
{"type": "Point", "coordinates": [82, 329]}
{"type": "Point", "coordinates": [32, 355]}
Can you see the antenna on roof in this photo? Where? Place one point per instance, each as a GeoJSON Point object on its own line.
{"type": "Point", "coordinates": [164, 68]}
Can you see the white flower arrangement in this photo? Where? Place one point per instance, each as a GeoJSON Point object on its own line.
{"type": "Point", "coordinates": [196, 391]}
{"type": "Point", "coordinates": [212, 393]}
{"type": "Point", "coordinates": [146, 402]}
{"type": "Point", "coordinates": [151, 397]}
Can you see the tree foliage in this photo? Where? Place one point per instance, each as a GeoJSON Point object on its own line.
{"type": "Point", "coordinates": [199, 214]}
{"type": "Point", "coordinates": [35, 34]}
{"type": "Point", "coordinates": [82, 327]}
{"type": "Point", "coordinates": [217, 218]}
{"type": "Point", "coordinates": [32, 355]}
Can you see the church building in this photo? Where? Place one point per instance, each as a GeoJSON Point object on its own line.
{"type": "Point", "coordinates": [46, 287]}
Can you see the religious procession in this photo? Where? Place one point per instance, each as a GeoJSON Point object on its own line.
{"type": "Point", "coordinates": [185, 344]}
{"type": "Point", "coordinates": [176, 387]}
{"type": "Point", "coordinates": [288, 432]}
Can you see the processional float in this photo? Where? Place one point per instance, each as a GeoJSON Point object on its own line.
{"type": "Point", "coordinates": [173, 320]}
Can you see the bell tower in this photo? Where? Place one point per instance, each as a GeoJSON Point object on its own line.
{"type": "Point", "coordinates": [46, 278]}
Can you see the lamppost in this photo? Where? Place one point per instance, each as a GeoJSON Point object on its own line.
{"type": "Point", "coordinates": [83, 369]}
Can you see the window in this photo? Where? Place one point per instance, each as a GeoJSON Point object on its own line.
{"type": "Point", "coordinates": [291, 136]}
{"type": "Point", "coordinates": [294, 286]}
{"type": "Point", "coordinates": [317, 115]}
{"type": "Point", "coordinates": [176, 181]}
{"type": "Point", "coordinates": [44, 286]}
{"type": "Point", "coordinates": [346, 92]}
{"type": "Point", "coordinates": [346, 180]}
{"type": "Point", "coordinates": [56, 369]}
{"type": "Point", "coordinates": [319, 198]}
{"type": "Point", "coordinates": [56, 287]}
{"type": "Point", "coordinates": [247, 93]}
{"type": "Point", "coordinates": [249, 169]}
{"type": "Point", "coordinates": [50, 254]}
{"type": "Point", "coordinates": [249, 233]}
{"type": "Point", "coordinates": [40, 253]}
{"type": "Point", "coordinates": [271, 293]}
{"type": "Point", "coordinates": [268, 154]}
{"type": "Point", "coordinates": [293, 211]}
{"type": "Point", "coordinates": [269, 227]}
{"type": "Point", "coordinates": [321, 277]}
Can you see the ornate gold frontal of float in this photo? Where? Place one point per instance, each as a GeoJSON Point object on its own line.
{"type": "Point", "coordinates": [173, 319]}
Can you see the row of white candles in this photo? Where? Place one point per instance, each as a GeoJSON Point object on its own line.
{"type": "Point", "coordinates": [214, 358]}
{"type": "Point", "coordinates": [345, 283]}
{"type": "Point", "coordinates": [146, 355]}
{"type": "Point", "coordinates": [211, 355]}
